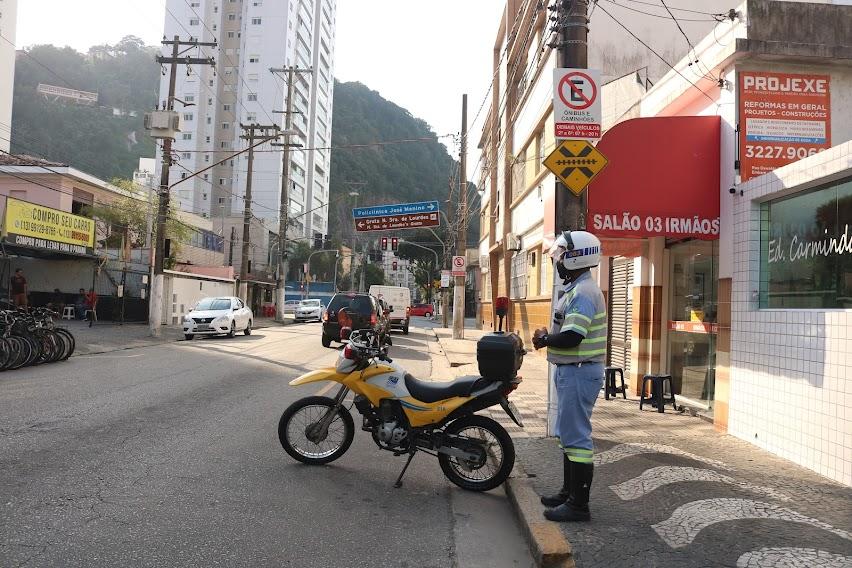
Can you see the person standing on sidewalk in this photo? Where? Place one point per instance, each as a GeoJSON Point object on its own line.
{"type": "Point", "coordinates": [576, 344]}
{"type": "Point", "coordinates": [19, 288]}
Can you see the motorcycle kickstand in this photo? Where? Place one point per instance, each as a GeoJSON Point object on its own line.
{"type": "Point", "coordinates": [398, 482]}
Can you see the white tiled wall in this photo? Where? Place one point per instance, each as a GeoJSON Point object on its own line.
{"type": "Point", "coordinates": [791, 370]}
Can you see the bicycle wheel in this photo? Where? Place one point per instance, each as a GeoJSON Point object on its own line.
{"type": "Point", "coordinates": [34, 351]}
{"type": "Point", "coordinates": [22, 351]}
{"type": "Point", "coordinates": [51, 345]}
{"type": "Point", "coordinates": [68, 339]}
{"type": "Point", "coordinates": [5, 353]}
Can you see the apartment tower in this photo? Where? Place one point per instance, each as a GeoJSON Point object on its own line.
{"type": "Point", "coordinates": [8, 15]}
{"type": "Point", "coordinates": [254, 36]}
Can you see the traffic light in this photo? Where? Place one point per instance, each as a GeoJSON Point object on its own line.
{"type": "Point", "coordinates": [317, 241]}
{"type": "Point", "coordinates": [394, 244]}
{"type": "Point", "coordinates": [326, 242]}
{"type": "Point", "coordinates": [384, 243]}
{"type": "Point", "coordinates": [394, 265]}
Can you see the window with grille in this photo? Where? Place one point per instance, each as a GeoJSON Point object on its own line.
{"type": "Point", "coordinates": [519, 275]}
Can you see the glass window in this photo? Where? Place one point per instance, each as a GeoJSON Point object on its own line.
{"type": "Point", "coordinates": [693, 285]}
{"type": "Point", "coordinates": [519, 275]}
{"type": "Point", "coordinates": [806, 249]}
{"type": "Point", "coordinates": [693, 282]}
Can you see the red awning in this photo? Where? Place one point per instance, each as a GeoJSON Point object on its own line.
{"type": "Point", "coordinates": [662, 179]}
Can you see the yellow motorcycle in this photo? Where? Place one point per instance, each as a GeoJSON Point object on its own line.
{"type": "Point", "coordinates": [405, 415]}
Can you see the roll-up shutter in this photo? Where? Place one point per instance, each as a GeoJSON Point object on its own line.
{"type": "Point", "coordinates": [620, 312]}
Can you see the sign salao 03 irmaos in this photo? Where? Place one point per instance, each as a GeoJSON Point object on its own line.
{"type": "Point", "coordinates": [577, 103]}
{"type": "Point", "coordinates": [35, 226]}
{"type": "Point", "coordinates": [783, 117]}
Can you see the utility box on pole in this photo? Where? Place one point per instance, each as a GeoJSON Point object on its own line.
{"type": "Point", "coordinates": [163, 124]}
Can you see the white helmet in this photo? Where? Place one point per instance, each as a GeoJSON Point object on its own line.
{"type": "Point", "coordinates": [576, 250]}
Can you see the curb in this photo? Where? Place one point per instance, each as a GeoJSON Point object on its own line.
{"type": "Point", "coordinates": [547, 543]}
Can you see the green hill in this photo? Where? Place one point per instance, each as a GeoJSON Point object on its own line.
{"type": "Point", "coordinates": [92, 139]}
{"type": "Point", "coordinates": [396, 172]}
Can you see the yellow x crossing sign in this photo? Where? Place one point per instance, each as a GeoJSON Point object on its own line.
{"type": "Point", "coordinates": [575, 163]}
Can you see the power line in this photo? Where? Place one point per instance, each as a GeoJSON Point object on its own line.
{"type": "Point", "coordinates": [663, 16]}
{"type": "Point", "coordinates": [652, 50]}
{"type": "Point", "coordinates": [692, 51]}
{"type": "Point", "coordinates": [677, 9]}
{"type": "Point", "coordinates": [30, 56]}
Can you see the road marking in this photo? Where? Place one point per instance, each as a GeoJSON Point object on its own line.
{"type": "Point", "coordinates": [789, 556]}
{"type": "Point", "coordinates": [622, 451]}
{"type": "Point", "coordinates": [688, 520]}
{"type": "Point", "coordinates": [657, 477]}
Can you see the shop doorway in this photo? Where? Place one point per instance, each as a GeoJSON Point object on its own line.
{"type": "Point", "coordinates": [692, 323]}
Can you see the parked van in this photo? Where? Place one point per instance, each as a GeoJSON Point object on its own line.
{"type": "Point", "coordinates": [398, 298]}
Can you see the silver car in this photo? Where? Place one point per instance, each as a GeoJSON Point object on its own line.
{"type": "Point", "coordinates": [218, 316]}
{"type": "Point", "coordinates": [309, 310]}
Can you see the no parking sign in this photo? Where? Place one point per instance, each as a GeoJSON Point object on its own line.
{"type": "Point", "coordinates": [577, 103]}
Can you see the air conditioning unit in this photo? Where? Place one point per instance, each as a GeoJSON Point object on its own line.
{"type": "Point", "coordinates": [513, 242]}
{"type": "Point", "coordinates": [163, 123]}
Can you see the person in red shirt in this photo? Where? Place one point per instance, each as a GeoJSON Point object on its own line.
{"type": "Point", "coordinates": [92, 306]}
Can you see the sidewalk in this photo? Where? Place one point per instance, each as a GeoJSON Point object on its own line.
{"type": "Point", "coordinates": [671, 491]}
{"type": "Point", "coordinates": [107, 336]}
{"type": "Point", "coordinates": [531, 396]}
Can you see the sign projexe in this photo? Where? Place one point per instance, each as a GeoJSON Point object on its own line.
{"type": "Point", "coordinates": [35, 226]}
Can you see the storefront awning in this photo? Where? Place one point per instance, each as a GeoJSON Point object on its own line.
{"type": "Point", "coordinates": [662, 179]}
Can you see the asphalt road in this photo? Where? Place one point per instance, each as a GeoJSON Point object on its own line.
{"type": "Point", "coordinates": [169, 456]}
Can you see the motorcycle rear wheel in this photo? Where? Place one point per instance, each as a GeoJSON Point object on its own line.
{"type": "Point", "coordinates": [499, 459]}
{"type": "Point", "coordinates": [305, 413]}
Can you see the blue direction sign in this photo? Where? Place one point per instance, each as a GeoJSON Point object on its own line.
{"type": "Point", "coordinates": [398, 209]}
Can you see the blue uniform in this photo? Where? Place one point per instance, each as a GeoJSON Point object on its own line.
{"type": "Point", "coordinates": [580, 369]}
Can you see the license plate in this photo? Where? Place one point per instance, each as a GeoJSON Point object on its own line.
{"type": "Point", "coordinates": [512, 411]}
{"type": "Point", "coordinates": [203, 327]}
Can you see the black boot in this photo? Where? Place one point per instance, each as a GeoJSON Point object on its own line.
{"type": "Point", "coordinates": [564, 493]}
{"type": "Point", "coordinates": [578, 508]}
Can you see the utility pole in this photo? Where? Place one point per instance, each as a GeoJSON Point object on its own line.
{"type": "Point", "coordinates": [231, 246]}
{"type": "Point", "coordinates": [254, 132]}
{"type": "Point", "coordinates": [284, 208]}
{"type": "Point", "coordinates": [461, 236]}
{"type": "Point", "coordinates": [155, 310]}
{"type": "Point", "coordinates": [572, 51]}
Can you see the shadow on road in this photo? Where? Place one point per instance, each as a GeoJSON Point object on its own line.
{"type": "Point", "coordinates": [211, 348]}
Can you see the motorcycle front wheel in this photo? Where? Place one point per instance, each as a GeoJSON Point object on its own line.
{"type": "Point", "coordinates": [496, 464]}
{"type": "Point", "coordinates": [301, 434]}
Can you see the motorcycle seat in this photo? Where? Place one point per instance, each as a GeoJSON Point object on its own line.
{"type": "Point", "coordinates": [434, 391]}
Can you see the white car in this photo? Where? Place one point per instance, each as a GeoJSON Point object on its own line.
{"type": "Point", "coordinates": [290, 306]}
{"type": "Point", "coordinates": [218, 316]}
{"type": "Point", "coordinates": [309, 310]}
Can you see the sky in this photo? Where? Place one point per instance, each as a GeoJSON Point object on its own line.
{"type": "Point", "coordinates": [420, 54]}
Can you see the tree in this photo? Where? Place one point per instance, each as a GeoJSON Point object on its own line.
{"type": "Point", "coordinates": [422, 261]}
{"type": "Point", "coordinates": [92, 139]}
{"type": "Point", "coordinates": [125, 219]}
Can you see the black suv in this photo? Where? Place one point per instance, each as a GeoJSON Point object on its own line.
{"type": "Point", "coordinates": [363, 309]}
